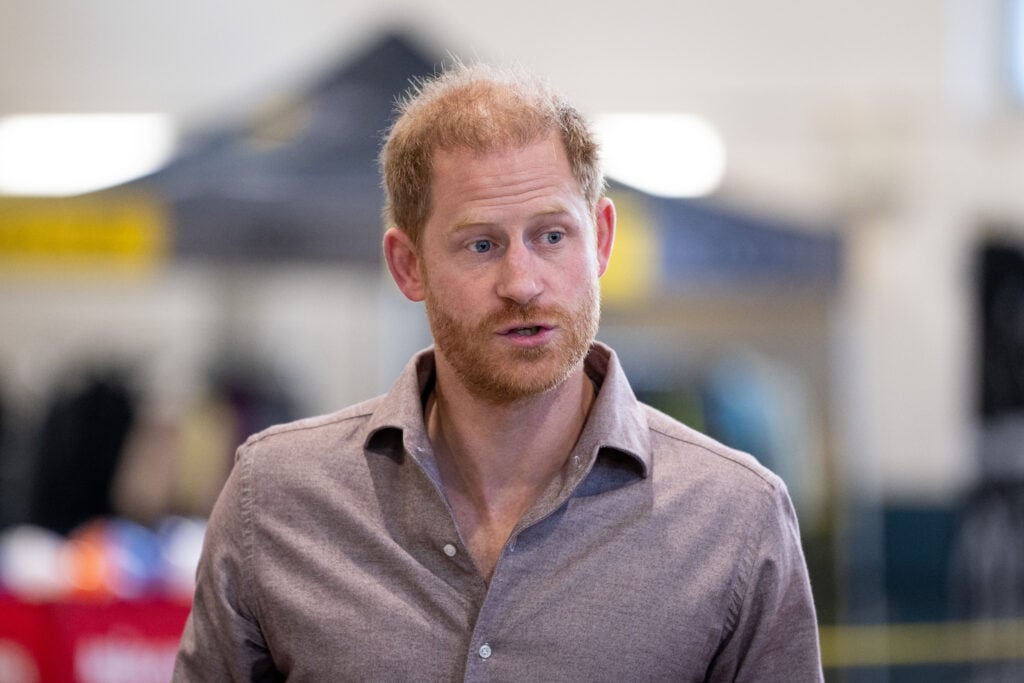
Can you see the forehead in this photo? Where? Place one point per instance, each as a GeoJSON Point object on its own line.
{"type": "Point", "coordinates": [502, 177]}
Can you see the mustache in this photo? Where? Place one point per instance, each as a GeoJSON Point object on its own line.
{"type": "Point", "coordinates": [512, 313]}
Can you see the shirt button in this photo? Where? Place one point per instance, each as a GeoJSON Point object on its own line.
{"type": "Point", "coordinates": [449, 550]}
{"type": "Point", "coordinates": [485, 651]}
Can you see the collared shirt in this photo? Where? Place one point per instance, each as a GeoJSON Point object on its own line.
{"type": "Point", "coordinates": [657, 554]}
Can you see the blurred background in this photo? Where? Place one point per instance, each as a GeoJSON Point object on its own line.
{"type": "Point", "coordinates": [825, 268]}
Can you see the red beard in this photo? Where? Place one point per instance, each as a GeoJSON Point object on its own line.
{"type": "Point", "coordinates": [500, 374]}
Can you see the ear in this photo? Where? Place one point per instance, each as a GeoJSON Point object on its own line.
{"type": "Point", "coordinates": [605, 223]}
{"type": "Point", "coordinates": [404, 263]}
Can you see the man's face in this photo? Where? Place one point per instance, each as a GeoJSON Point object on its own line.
{"type": "Point", "coordinates": [510, 260]}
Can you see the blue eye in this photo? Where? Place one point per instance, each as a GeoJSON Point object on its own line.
{"type": "Point", "coordinates": [480, 246]}
{"type": "Point", "coordinates": [553, 237]}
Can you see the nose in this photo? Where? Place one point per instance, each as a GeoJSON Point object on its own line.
{"type": "Point", "coordinates": [518, 278]}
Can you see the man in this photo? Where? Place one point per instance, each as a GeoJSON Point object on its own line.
{"type": "Point", "coordinates": [508, 511]}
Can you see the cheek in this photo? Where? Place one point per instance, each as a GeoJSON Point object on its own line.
{"type": "Point", "coordinates": [578, 274]}
{"type": "Point", "coordinates": [458, 296]}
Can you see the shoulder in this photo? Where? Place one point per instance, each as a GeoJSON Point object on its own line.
{"type": "Point", "coordinates": [294, 469]}
{"type": "Point", "coordinates": [723, 491]}
{"type": "Point", "coordinates": [680, 450]}
{"type": "Point", "coordinates": [313, 434]}
{"type": "Point", "coordinates": [345, 419]}
{"type": "Point", "coordinates": [676, 455]}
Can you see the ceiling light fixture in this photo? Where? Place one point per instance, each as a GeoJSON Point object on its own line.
{"type": "Point", "coordinates": [670, 155]}
{"type": "Point", "coordinates": [69, 154]}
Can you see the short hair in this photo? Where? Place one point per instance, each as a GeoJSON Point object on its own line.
{"type": "Point", "coordinates": [482, 108]}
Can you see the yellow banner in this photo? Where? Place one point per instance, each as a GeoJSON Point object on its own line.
{"type": "Point", "coordinates": [89, 230]}
{"type": "Point", "coordinates": [633, 272]}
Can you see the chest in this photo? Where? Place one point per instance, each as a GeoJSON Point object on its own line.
{"type": "Point", "coordinates": [601, 589]}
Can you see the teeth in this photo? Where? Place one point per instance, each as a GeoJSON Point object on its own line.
{"type": "Point", "coordinates": [527, 331]}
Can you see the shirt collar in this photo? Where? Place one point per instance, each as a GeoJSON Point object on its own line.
{"type": "Point", "coordinates": [616, 421]}
{"type": "Point", "coordinates": [397, 421]}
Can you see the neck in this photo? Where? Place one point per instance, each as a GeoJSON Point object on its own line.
{"type": "Point", "coordinates": [523, 440]}
{"type": "Point", "coordinates": [496, 460]}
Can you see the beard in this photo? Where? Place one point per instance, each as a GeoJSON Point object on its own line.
{"type": "Point", "coordinates": [500, 374]}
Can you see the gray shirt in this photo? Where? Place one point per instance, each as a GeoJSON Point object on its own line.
{"type": "Point", "coordinates": [658, 554]}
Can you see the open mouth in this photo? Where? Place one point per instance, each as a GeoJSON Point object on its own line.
{"type": "Point", "coordinates": [526, 331]}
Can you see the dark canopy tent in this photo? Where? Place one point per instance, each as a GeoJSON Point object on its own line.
{"type": "Point", "coordinates": [301, 183]}
{"type": "Point", "coordinates": [702, 241]}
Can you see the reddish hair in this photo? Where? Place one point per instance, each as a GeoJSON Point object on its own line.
{"type": "Point", "coordinates": [483, 109]}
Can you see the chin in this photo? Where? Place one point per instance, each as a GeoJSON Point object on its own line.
{"type": "Point", "coordinates": [542, 375]}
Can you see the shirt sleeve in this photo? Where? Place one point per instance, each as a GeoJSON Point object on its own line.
{"type": "Point", "coordinates": [775, 633]}
{"type": "Point", "coordinates": [222, 640]}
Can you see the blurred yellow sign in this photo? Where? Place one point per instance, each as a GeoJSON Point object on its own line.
{"type": "Point", "coordinates": [91, 230]}
{"type": "Point", "coordinates": [633, 273]}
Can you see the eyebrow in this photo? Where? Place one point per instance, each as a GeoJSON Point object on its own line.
{"type": "Point", "coordinates": [473, 223]}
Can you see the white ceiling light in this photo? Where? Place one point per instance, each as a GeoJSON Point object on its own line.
{"type": "Point", "coordinates": [1014, 23]}
{"type": "Point", "coordinates": [67, 154]}
{"type": "Point", "coordinates": [672, 155]}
